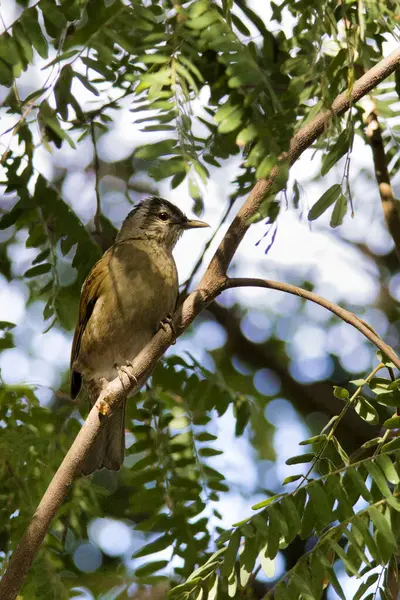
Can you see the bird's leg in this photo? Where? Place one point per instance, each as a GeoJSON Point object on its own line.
{"type": "Point", "coordinates": [168, 321]}
{"type": "Point", "coordinates": [124, 369]}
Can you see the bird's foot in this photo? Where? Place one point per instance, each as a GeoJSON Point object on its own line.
{"type": "Point", "coordinates": [124, 369]}
{"type": "Point", "coordinates": [168, 322]}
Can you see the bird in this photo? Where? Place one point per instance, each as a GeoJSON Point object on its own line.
{"type": "Point", "coordinates": [129, 293]}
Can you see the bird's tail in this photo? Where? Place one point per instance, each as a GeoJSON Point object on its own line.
{"type": "Point", "coordinates": [108, 449]}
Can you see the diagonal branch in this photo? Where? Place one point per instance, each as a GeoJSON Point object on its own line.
{"type": "Point", "coordinates": [337, 310]}
{"type": "Point", "coordinates": [302, 140]}
{"type": "Point", "coordinates": [212, 284]}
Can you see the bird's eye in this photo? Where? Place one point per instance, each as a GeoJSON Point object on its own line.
{"type": "Point", "coordinates": [163, 216]}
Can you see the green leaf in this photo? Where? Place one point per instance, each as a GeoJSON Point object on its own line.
{"type": "Point", "coordinates": [247, 560]}
{"type": "Point", "coordinates": [156, 546]}
{"type": "Point", "coordinates": [265, 166]}
{"type": "Point", "coordinates": [259, 523]}
{"type": "Point", "coordinates": [206, 19]}
{"type": "Point", "coordinates": [358, 382]}
{"type": "Point", "coordinates": [266, 502]}
{"type": "Point", "coordinates": [339, 211]}
{"type": "Point", "coordinates": [359, 484]}
{"type": "Point", "coordinates": [340, 393]}
{"type": "Point", "coordinates": [62, 91]}
{"type": "Point", "coordinates": [366, 411]}
{"type": "Point", "coordinates": [361, 525]}
{"type": "Point", "coordinates": [85, 81]}
{"type": "Point", "coordinates": [30, 23]}
{"type": "Point", "coordinates": [267, 565]}
{"type": "Point", "coordinates": [23, 43]}
{"type": "Point", "coordinates": [382, 525]}
{"type": "Point", "coordinates": [9, 49]}
{"type": "Point", "coordinates": [348, 563]}
{"type": "Point", "coordinates": [321, 504]}
{"type": "Point", "coordinates": [339, 148]}
{"type": "Point", "coordinates": [6, 325]}
{"type": "Point", "coordinates": [232, 584]}
{"type": "Point", "coordinates": [204, 436]}
{"type": "Point", "coordinates": [356, 546]}
{"type": "Point", "coordinates": [49, 117]}
{"type": "Point", "coordinates": [246, 135]}
{"type": "Point", "coordinates": [231, 552]}
{"type": "Point", "coordinates": [378, 477]}
{"type": "Point", "coordinates": [313, 440]}
{"type": "Point", "coordinates": [150, 568]}
{"type": "Point", "coordinates": [162, 77]}
{"type": "Point", "coordinates": [392, 423]}
{"type": "Point", "coordinates": [365, 586]}
{"type": "Point", "coordinates": [291, 479]}
{"type": "Point", "coordinates": [213, 588]}
{"type": "Point", "coordinates": [391, 398]}
{"type": "Point", "coordinates": [379, 385]}
{"type": "Point", "coordinates": [333, 579]}
{"type": "Point", "coordinates": [232, 121]}
{"type": "Point", "coordinates": [38, 270]}
{"type": "Point", "coordinates": [292, 517]}
{"type": "Point", "coordinates": [301, 458]}
{"type": "Point", "coordinates": [184, 587]}
{"type": "Point", "coordinates": [152, 151]}
{"type": "Point", "coordinates": [274, 533]}
{"type": "Point", "coordinates": [209, 452]}
{"type": "Point", "coordinates": [324, 202]}
{"type": "Point", "coordinates": [392, 445]}
{"type": "Point", "coordinates": [385, 463]}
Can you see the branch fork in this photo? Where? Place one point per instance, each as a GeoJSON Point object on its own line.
{"type": "Point", "coordinates": [213, 283]}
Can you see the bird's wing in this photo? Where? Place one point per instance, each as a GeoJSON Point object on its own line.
{"type": "Point", "coordinates": [91, 291]}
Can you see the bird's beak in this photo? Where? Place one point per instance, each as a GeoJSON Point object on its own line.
{"type": "Point", "coordinates": [193, 224]}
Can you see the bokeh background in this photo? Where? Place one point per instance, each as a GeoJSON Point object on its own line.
{"type": "Point", "coordinates": [291, 352]}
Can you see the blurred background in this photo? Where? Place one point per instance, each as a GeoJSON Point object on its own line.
{"type": "Point", "coordinates": [284, 354]}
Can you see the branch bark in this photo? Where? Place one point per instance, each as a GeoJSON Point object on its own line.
{"type": "Point", "coordinates": [211, 285]}
{"type": "Point", "coordinates": [390, 205]}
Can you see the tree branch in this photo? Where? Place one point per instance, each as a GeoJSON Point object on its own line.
{"type": "Point", "coordinates": [344, 314]}
{"type": "Point", "coordinates": [302, 140]}
{"type": "Point", "coordinates": [390, 205]}
{"type": "Point", "coordinates": [212, 284]}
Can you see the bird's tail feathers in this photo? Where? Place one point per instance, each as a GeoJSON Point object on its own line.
{"type": "Point", "coordinates": [108, 449]}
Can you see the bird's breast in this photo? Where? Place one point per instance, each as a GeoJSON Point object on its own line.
{"type": "Point", "coordinates": [140, 289]}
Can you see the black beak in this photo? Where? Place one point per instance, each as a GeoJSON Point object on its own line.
{"type": "Point", "coordinates": [194, 224]}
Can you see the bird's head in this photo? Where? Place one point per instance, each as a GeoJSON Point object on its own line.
{"type": "Point", "coordinates": [157, 219]}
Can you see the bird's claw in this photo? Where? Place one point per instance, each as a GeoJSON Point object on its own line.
{"type": "Point", "coordinates": [167, 321]}
{"type": "Point", "coordinates": [124, 369]}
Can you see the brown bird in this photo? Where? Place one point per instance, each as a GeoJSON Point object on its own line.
{"type": "Point", "coordinates": [129, 292]}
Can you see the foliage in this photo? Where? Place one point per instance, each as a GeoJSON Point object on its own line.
{"type": "Point", "coordinates": [208, 81]}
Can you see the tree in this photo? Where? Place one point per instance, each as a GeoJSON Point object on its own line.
{"type": "Point", "coordinates": [211, 81]}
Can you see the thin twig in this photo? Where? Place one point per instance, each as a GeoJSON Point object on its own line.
{"type": "Point", "coordinates": [211, 285]}
{"type": "Point", "coordinates": [344, 314]}
{"type": "Point", "coordinates": [197, 266]}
